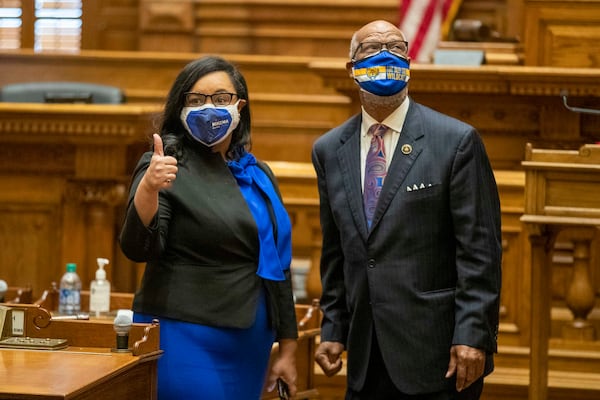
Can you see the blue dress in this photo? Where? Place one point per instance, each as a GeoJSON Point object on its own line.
{"type": "Point", "coordinates": [214, 363]}
{"type": "Point", "coordinates": [210, 363]}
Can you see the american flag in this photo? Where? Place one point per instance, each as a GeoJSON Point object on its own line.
{"type": "Point", "coordinates": [424, 22]}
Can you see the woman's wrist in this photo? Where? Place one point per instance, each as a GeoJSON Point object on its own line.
{"type": "Point", "coordinates": [288, 347]}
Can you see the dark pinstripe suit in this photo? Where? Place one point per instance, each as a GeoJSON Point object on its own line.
{"type": "Point", "coordinates": [428, 274]}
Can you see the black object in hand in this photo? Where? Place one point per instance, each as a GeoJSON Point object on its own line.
{"type": "Point", "coordinates": [282, 389]}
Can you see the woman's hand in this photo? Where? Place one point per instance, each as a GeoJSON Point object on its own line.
{"type": "Point", "coordinates": [162, 170]}
{"type": "Point", "coordinates": [284, 367]}
{"type": "Point", "coordinates": [160, 174]}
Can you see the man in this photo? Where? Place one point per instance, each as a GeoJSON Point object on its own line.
{"type": "Point", "coordinates": [411, 270]}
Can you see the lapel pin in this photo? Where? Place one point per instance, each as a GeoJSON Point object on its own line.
{"type": "Point", "coordinates": [406, 149]}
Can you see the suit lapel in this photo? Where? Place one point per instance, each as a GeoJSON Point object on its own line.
{"type": "Point", "coordinates": [348, 154]}
{"type": "Point", "coordinates": [407, 150]}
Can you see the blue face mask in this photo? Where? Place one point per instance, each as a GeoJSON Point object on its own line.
{"type": "Point", "coordinates": [383, 74]}
{"type": "Point", "coordinates": [208, 124]}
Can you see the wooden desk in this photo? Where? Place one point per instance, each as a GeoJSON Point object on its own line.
{"type": "Point", "coordinates": [75, 374]}
{"type": "Point", "coordinates": [87, 368]}
{"type": "Point", "coordinates": [16, 294]}
{"type": "Point", "coordinates": [562, 194]}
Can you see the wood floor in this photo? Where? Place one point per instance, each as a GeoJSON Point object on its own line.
{"type": "Point", "coordinates": [502, 384]}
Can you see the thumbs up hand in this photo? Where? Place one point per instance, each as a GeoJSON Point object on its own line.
{"type": "Point", "coordinates": [162, 170]}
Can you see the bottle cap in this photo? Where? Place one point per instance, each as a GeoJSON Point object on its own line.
{"type": "Point", "coordinates": [71, 267]}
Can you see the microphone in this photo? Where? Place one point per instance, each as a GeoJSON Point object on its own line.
{"type": "Point", "coordinates": [122, 325]}
{"type": "Point", "coordinates": [3, 289]}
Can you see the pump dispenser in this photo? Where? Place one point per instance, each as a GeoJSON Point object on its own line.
{"type": "Point", "coordinates": [100, 290]}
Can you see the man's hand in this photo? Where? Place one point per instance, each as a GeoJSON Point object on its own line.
{"type": "Point", "coordinates": [329, 357]}
{"type": "Point", "coordinates": [467, 363]}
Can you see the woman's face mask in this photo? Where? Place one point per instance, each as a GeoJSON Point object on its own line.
{"type": "Point", "coordinates": [210, 125]}
{"type": "Point", "coordinates": [383, 74]}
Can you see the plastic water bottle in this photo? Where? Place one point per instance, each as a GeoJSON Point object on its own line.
{"type": "Point", "coordinates": [69, 300]}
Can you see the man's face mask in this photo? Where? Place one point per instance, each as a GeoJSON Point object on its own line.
{"type": "Point", "coordinates": [210, 125]}
{"type": "Point", "coordinates": [383, 74]}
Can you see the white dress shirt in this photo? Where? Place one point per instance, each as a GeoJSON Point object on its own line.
{"type": "Point", "coordinates": [394, 121]}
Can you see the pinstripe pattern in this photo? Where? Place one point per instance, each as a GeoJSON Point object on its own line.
{"type": "Point", "coordinates": [427, 274]}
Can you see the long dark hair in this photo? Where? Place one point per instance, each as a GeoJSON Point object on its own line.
{"type": "Point", "coordinates": [172, 131]}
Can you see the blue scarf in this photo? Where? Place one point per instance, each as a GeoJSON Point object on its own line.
{"type": "Point", "coordinates": [275, 254]}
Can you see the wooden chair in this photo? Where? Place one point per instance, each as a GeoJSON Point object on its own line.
{"type": "Point", "coordinates": [18, 295]}
{"type": "Point", "coordinates": [61, 92]}
{"type": "Point", "coordinates": [118, 300]}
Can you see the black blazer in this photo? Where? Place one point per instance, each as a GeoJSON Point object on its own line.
{"type": "Point", "coordinates": [201, 250]}
{"type": "Point", "coordinates": [427, 275]}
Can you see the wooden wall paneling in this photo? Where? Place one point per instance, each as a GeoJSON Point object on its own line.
{"type": "Point", "coordinates": [562, 33]}
{"type": "Point", "coordinates": [166, 26]}
{"type": "Point", "coordinates": [68, 178]}
{"type": "Point", "coordinates": [493, 13]}
{"type": "Point", "coordinates": [515, 19]}
{"type": "Point", "coordinates": [110, 25]}
{"type": "Point", "coordinates": [508, 105]}
{"type": "Point", "coordinates": [287, 99]}
{"type": "Point", "coordinates": [506, 123]}
{"type": "Point", "coordinates": [513, 301]}
{"type": "Point", "coordinates": [144, 76]}
{"type": "Point", "coordinates": [30, 231]}
{"type": "Point", "coordinates": [285, 126]}
{"type": "Point", "coordinates": [284, 27]}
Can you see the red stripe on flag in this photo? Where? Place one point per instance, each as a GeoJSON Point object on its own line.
{"type": "Point", "coordinates": [424, 27]}
{"type": "Point", "coordinates": [445, 7]}
{"type": "Point", "coordinates": [417, 19]}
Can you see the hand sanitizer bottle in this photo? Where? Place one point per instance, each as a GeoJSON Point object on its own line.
{"type": "Point", "coordinates": [100, 290]}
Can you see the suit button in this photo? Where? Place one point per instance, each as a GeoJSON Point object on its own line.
{"type": "Point", "coordinates": [371, 263]}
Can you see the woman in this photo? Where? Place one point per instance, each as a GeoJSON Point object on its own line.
{"type": "Point", "coordinates": [207, 219]}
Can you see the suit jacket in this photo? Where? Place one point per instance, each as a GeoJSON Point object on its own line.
{"type": "Point", "coordinates": [201, 250]}
{"type": "Point", "coordinates": [427, 274]}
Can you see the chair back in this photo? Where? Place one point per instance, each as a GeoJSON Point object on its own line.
{"type": "Point", "coordinates": [61, 92]}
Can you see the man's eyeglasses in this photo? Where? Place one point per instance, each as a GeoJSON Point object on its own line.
{"type": "Point", "coordinates": [195, 99]}
{"type": "Point", "coordinates": [367, 49]}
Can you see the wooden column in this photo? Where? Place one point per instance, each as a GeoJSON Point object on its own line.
{"type": "Point", "coordinates": [580, 296]}
{"type": "Point", "coordinates": [541, 241]}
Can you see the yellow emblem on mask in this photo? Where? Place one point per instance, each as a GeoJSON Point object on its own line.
{"type": "Point", "coordinates": [372, 72]}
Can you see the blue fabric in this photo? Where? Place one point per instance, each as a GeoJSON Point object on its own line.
{"type": "Point", "coordinates": [383, 74]}
{"type": "Point", "coordinates": [275, 254]}
{"type": "Point", "coordinates": [207, 362]}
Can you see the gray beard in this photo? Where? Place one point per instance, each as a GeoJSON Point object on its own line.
{"type": "Point", "coordinates": [372, 102]}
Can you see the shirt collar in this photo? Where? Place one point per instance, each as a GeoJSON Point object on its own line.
{"type": "Point", "coordinates": [394, 121]}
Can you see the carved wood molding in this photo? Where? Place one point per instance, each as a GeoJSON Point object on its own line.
{"type": "Point", "coordinates": [562, 33]}
{"type": "Point", "coordinates": [27, 158]}
{"type": "Point", "coordinates": [109, 192]}
{"type": "Point", "coordinates": [522, 81]}
{"type": "Point", "coordinates": [27, 123]}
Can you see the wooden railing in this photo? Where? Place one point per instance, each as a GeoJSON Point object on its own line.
{"type": "Point", "coordinates": [562, 195]}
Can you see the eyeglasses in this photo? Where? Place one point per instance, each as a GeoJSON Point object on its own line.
{"type": "Point", "coordinates": [195, 99]}
{"type": "Point", "coordinates": [367, 49]}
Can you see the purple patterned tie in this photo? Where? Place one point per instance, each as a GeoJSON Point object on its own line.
{"type": "Point", "coordinates": [375, 170]}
